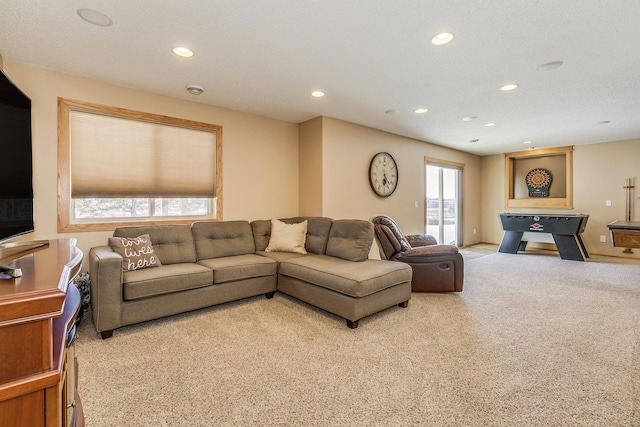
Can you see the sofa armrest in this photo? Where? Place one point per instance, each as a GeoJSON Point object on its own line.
{"type": "Point", "coordinates": [105, 270]}
{"type": "Point", "coordinates": [417, 240]}
{"type": "Point", "coordinates": [427, 251]}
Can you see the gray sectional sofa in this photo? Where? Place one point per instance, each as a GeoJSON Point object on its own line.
{"type": "Point", "coordinates": [210, 263]}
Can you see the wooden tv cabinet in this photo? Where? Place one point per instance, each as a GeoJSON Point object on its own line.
{"type": "Point", "coordinates": [37, 324]}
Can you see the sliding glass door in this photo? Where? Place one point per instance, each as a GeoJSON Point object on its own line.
{"type": "Point", "coordinates": [444, 208]}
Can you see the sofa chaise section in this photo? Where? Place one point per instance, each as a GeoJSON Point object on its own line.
{"type": "Point", "coordinates": [343, 281]}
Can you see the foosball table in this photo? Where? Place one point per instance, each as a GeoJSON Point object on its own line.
{"type": "Point", "coordinates": [564, 229]}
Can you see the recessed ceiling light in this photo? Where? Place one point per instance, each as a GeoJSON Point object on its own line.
{"type": "Point", "coordinates": [510, 86]}
{"type": "Point", "coordinates": [183, 52]}
{"type": "Point", "coordinates": [195, 89]}
{"type": "Point", "coordinates": [317, 94]}
{"type": "Point", "coordinates": [489, 124]}
{"type": "Point", "coordinates": [441, 39]}
{"type": "Point", "coordinates": [550, 66]}
{"type": "Point", "coordinates": [94, 17]}
{"type": "Point", "coordinates": [470, 118]}
{"type": "Point", "coordinates": [392, 111]}
{"type": "Point", "coordinates": [420, 110]}
{"type": "Point", "coordinates": [527, 142]}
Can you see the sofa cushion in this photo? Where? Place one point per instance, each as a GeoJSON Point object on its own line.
{"type": "Point", "coordinates": [136, 252]}
{"type": "Point", "coordinates": [166, 279]}
{"type": "Point", "coordinates": [287, 237]}
{"type": "Point", "coordinates": [261, 233]}
{"type": "Point", "coordinates": [222, 239]}
{"type": "Point", "coordinates": [350, 239]}
{"type": "Point", "coordinates": [317, 232]}
{"type": "Point", "coordinates": [350, 278]}
{"type": "Point", "coordinates": [172, 243]}
{"type": "Point", "coordinates": [233, 268]}
{"type": "Point", "coordinates": [280, 256]}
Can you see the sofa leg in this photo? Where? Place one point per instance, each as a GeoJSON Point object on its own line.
{"type": "Point", "coordinates": [106, 334]}
{"type": "Point", "coordinates": [404, 304]}
{"type": "Point", "coordinates": [352, 324]}
{"type": "Point", "coordinates": [269, 295]}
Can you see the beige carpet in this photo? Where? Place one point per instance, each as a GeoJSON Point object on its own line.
{"type": "Point", "coordinates": [532, 341]}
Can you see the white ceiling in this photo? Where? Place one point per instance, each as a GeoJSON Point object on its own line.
{"type": "Point", "coordinates": [369, 56]}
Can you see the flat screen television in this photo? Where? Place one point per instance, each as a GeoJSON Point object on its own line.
{"type": "Point", "coordinates": [16, 170]}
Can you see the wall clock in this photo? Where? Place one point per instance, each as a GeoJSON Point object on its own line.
{"type": "Point", "coordinates": [383, 174]}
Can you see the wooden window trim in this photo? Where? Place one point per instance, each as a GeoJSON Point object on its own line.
{"type": "Point", "coordinates": [64, 179]}
{"type": "Point", "coordinates": [547, 202]}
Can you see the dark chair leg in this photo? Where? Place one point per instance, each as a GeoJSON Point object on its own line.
{"type": "Point", "coordinates": [352, 324]}
{"type": "Point", "coordinates": [269, 295]}
{"type": "Point", "coordinates": [404, 304]}
{"type": "Point", "coordinates": [106, 334]}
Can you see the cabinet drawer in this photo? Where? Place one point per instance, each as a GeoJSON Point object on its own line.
{"type": "Point", "coordinates": [625, 238]}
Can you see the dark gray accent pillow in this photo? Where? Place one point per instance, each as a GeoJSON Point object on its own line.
{"type": "Point", "coordinates": [137, 252]}
{"type": "Point", "coordinates": [172, 243]}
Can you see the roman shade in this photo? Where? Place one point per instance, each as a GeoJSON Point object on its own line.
{"type": "Point", "coordinates": [116, 157]}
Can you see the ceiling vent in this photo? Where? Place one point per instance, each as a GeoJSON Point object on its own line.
{"type": "Point", "coordinates": [195, 89]}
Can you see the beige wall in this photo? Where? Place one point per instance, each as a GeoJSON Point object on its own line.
{"type": "Point", "coordinates": [347, 150]}
{"type": "Point", "coordinates": [260, 155]}
{"type": "Point", "coordinates": [493, 193]}
{"type": "Point", "coordinates": [273, 168]}
{"type": "Point", "coordinates": [310, 158]}
{"type": "Point", "coordinates": [599, 174]}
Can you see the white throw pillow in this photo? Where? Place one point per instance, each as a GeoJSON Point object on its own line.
{"type": "Point", "coordinates": [287, 237]}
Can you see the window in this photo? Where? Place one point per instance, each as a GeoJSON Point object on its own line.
{"type": "Point", "coordinates": [123, 167]}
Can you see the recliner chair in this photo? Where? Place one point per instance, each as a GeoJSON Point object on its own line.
{"type": "Point", "coordinates": [436, 268]}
